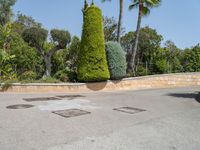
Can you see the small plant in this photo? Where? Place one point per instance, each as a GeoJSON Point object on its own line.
{"type": "Point", "coordinates": [116, 60]}
{"type": "Point", "coordinates": [47, 79]}
{"type": "Point", "coordinates": [6, 70]}
{"type": "Point", "coordinates": [62, 75]}
{"type": "Point", "coordinates": [160, 66]}
{"type": "Point", "coordinates": [5, 86]}
{"type": "Point", "coordinates": [141, 71]}
{"type": "Point", "coordinates": [28, 75]}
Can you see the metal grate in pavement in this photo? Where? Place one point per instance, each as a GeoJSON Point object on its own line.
{"type": "Point", "coordinates": [71, 112]}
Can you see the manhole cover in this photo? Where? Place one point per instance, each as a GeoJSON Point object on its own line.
{"type": "Point", "coordinates": [19, 106]}
{"type": "Point", "coordinates": [71, 112]}
{"type": "Point", "coordinates": [129, 110]}
{"type": "Point", "coordinates": [69, 96]}
{"type": "Point", "coordinates": [41, 99]}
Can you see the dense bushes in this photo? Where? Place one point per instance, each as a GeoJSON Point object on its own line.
{"type": "Point", "coordinates": [116, 60]}
{"type": "Point", "coordinates": [160, 66]}
{"type": "Point", "coordinates": [141, 71]}
{"type": "Point", "coordinates": [92, 65]}
{"type": "Point", "coordinates": [28, 75]}
{"type": "Point", "coordinates": [191, 59]}
{"type": "Point", "coordinates": [62, 75]}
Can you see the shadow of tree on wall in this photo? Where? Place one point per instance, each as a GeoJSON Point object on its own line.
{"type": "Point", "coordinates": [195, 95]}
{"type": "Point", "coordinates": [116, 81]}
{"type": "Point", "coordinates": [96, 86]}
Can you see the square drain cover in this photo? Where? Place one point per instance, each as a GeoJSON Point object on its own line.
{"type": "Point", "coordinates": [41, 99]}
{"type": "Point", "coordinates": [71, 112]}
{"type": "Point", "coordinates": [129, 110]}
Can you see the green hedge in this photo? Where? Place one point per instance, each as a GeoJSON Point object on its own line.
{"type": "Point", "coordinates": [28, 75]}
{"type": "Point", "coordinates": [160, 66]}
{"type": "Point", "coordinates": [92, 64]}
{"type": "Point", "coordinates": [62, 75]}
{"type": "Point", "coordinates": [116, 60]}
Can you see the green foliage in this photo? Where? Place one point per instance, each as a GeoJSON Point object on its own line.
{"type": "Point", "coordinates": [160, 66]}
{"type": "Point", "coordinates": [92, 65]}
{"type": "Point", "coordinates": [47, 79]}
{"type": "Point", "coordinates": [6, 70]}
{"type": "Point", "coordinates": [146, 5]}
{"type": "Point", "coordinates": [173, 56]}
{"type": "Point", "coordinates": [5, 86]}
{"type": "Point", "coordinates": [85, 6]}
{"type": "Point", "coordinates": [62, 37]}
{"type": "Point", "coordinates": [110, 29]}
{"type": "Point", "coordinates": [191, 59]}
{"type": "Point", "coordinates": [26, 21]}
{"type": "Point", "coordinates": [5, 11]}
{"type": "Point", "coordinates": [116, 60]}
{"type": "Point", "coordinates": [72, 56]}
{"type": "Point", "coordinates": [58, 61]}
{"type": "Point", "coordinates": [148, 47]}
{"type": "Point", "coordinates": [5, 36]}
{"type": "Point", "coordinates": [62, 75]}
{"type": "Point", "coordinates": [23, 22]}
{"type": "Point", "coordinates": [26, 58]}
{"type": "Point", "coordinates": [127, 41]}
{"type": "Point", "coordinates": [141, 71]}
{"type": "Point", "coordinates": [35, 36]}
{"type": "Point", "coordinates": [149, 43]}
{"type": "Point", "coordinates": [28, 75]}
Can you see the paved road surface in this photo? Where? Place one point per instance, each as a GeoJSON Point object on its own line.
{"type": "Point", "coordinates": [171, 121]}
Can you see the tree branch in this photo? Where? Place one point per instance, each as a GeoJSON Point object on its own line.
{"type": "Point", "coordinates": [55, 49]}
{"type": "Point", "coordinates": [40, 50]}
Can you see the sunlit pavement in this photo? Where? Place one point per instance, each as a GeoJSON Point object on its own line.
{"type": "Point", "coordinates": [161, 119]}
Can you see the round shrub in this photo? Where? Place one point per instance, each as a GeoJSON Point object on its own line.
{"type": "Point", "coordinates": [28, 75]}
{"type": "Point", "coordinates": [92, 64]}
{"type": "Point", "coordinates": [62, 75]}
{"type": "Point", "coordinates": [160, 66]}
{"type": "Point", "coordinates": [116, 60]}
{"type": "Point", "coordinates": [141, 71]}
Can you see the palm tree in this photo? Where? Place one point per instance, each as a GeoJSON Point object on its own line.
{"type": "Point", "coordinates": [144, 10]}
{"type": "Point", "coordinates": [121, 4]}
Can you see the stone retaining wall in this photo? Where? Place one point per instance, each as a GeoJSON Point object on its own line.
{"type": "Point", "coordinates": [146, 82]}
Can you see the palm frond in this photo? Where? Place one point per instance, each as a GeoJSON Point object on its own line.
{"type": "Point", "coordinates": [145, 11]}
{"type": "Point", "coordinates": [134, 5]}
{"type": "Point", "coordinates": [105, 1]}
{"type": "Point", "coordinates": [152, 3]}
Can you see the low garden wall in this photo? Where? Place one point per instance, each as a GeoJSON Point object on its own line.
{"type": "Point", "coordinates": [146, 82]}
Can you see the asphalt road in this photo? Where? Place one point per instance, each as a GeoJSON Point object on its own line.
{"type": "Point", "coordinates": [165, 119]}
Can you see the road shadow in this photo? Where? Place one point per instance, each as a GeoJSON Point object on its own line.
{"type": "Point", "coordinates": [195, 95]}
{"type": "Point", "coordinates": [96, 86]}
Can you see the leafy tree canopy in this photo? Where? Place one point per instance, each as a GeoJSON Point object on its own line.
{"type": "Point", "coordinates": [6, 11]}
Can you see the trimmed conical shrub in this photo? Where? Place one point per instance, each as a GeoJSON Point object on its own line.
{"type": "Point", "coordinates": [92, 64]}
{"type": "Point", "coordinates": [116, 60]}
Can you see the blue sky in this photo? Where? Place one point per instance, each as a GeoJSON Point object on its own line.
{"type": "Point", "coordinates": [176, 20]}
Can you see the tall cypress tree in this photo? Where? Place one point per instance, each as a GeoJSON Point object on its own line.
{"type": "Point", "coordinates": [92, 65]}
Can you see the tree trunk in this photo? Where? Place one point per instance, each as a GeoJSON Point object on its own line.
{"type": "Point", "coordinates": [131, 63]}
{"type": "Point", "coordinates": [47, 60]}
{"type": "Point", "coordinates": [47, 57]}
{"type": "Point", "coordinates": [120, 21]}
